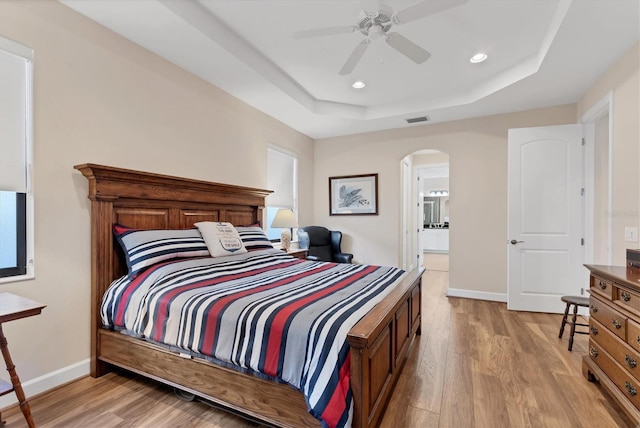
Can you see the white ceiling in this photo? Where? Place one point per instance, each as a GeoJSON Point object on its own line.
{"type": "Point", "coordinates": [541, 53]}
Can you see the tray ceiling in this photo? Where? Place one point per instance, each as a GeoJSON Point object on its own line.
{"type": "Point", "coordinates": [541, 53]}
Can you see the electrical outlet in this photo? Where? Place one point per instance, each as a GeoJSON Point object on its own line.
{"type": "Point", "coordinates": [631, 234]}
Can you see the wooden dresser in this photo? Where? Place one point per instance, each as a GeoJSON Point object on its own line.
{"type": "Point", "coordinates": [614, 335]}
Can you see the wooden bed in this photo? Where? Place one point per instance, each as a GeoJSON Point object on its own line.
{"type": "Point", "coordinates": [379, 342]}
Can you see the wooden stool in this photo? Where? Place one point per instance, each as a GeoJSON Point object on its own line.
{"type": "Point", "coordinates": [575, 301]}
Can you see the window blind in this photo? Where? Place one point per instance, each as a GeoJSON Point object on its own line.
{"type": "Point", "coordinates": [15, 63]}
{"type": "Point", "coordinates": [281, 179]}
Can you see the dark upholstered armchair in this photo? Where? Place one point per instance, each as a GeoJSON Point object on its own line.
{"type": "Point", "coordinates": [323, 244]}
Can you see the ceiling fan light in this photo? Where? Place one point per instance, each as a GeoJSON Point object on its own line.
{"type": "Point", "coordinates": [478, 58]}
{"type": "Point", "coordinates": [359, 84]}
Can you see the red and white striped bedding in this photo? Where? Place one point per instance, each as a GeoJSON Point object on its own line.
{"type": "Point", "coordinates": [263, 312]}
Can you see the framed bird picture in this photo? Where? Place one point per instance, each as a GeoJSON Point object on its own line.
{"type": "Point", "coordinates": [353, 195]}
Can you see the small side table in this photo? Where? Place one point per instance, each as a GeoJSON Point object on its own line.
{"type": "Point", "coordinates": [299, 253]}
{"type": "Point", "coordinates": [14, 307]}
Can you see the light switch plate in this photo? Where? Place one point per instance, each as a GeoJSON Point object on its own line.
{"type": "Point", "coordinates": [631, 234]}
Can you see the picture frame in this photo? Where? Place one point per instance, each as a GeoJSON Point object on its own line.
{"type": "Point", "coordinates": [353, 195]}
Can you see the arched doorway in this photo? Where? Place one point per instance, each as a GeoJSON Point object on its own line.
{"type": "Point", "coordinates": [426, 216]}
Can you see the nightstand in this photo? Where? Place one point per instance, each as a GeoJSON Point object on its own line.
{"type": "Point", "coordinates": [297, 252]}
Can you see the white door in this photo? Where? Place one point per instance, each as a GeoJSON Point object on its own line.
{"type": "Point", "coordinates": [545, 217]}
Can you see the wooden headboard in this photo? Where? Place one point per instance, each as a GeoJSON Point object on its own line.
{"type": "Point", "coordinates": [152, 201]}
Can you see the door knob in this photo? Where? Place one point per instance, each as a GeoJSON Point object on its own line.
{"type": "Point", "coordinates": [514, 242]}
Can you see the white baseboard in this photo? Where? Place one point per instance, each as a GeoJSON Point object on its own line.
{"type": "Point", "coordinates": [48, 381]}
{"type": "Point", "coordinates": [478, 295]}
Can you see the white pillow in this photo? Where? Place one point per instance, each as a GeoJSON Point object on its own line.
{"type": "Point", "coordinates": [222, 238]}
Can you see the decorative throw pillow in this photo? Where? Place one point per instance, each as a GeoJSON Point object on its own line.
{"type": "Point", "coordinates": [144, 248]}
{"type": "Point", "coordinates": [254, 238]}
{"type": "Point", "coordinates": [222, 238]}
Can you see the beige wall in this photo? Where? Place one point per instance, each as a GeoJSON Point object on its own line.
{"type": "Point", "coordinates": [477, 150]}
{"type": "Point", "coordinates": [601, 213]}
{"type": "Point", "coordinates": [623, 80]}
{"type": "Point", "coordinates": [100, 98]}
{"type": "Point", "coordinates": [431, 158]}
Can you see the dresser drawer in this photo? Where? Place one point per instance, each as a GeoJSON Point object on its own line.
{"type": "Point", "coordinates": [629, 386]}
{"type": "Point", "coordinates": [621, 352]}
{"type": "Point", "coordinates": [609, 317]}
{"type": "Point", "coordinates": [601, 287]}
{"type": "Point", "coordinates": [633, 334]}
{"type": "Point", "coordinates": [629, 299]}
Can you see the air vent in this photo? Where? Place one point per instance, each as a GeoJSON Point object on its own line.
{"type": "Point", "coordinates": [418, 119]}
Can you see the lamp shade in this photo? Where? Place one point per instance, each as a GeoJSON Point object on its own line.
{"type": "Point", "coordinates": [284, 219]}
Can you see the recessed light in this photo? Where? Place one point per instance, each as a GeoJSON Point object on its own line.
{"type": "Point", "coordinates": [359, 84]}
{"type": "Point", "coordinates": [479, 57]}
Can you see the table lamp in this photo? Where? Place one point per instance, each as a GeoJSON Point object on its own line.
{"type": "Point", "coordinates": [285, 220]}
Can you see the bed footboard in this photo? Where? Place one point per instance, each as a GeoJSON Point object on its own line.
{"type": "Point", "coordinates": [380, 345]}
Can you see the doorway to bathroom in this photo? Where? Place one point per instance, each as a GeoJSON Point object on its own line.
{"type": "Point", "coordinates": [431, 169]}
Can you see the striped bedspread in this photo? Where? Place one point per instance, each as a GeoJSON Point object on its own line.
{"type": "Point", "coordinates": [262, 312]}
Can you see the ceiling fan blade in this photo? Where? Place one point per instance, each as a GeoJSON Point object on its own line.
{"type": "Point", "coordinates": [407, 48]}
{"type": "Point", "coordinates": [423, 9]}
{"type": "Point", "coordinates": [320, 32]}
{"type": "Point", "coordinates": [353, 60]}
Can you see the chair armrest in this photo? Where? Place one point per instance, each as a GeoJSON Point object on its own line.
{"type": "Point", "coordinates": [313, 258]}
{"type": "Point", "coordinates": [343, 257]}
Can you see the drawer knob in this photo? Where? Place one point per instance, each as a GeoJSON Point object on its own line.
{"type": "Point", "coordinates": [603, 285]}
{"type": "Point", "coordinates": [630, 389]}
{"type": "Point", "coordinates": [594, 308]}
{"type": "Point", "coordinates": [625, 296]}
{"type": "Point", "coordinates": [638, 340]}
{"type": "Point", "coordinates": [593, 351]}
{"type": "Point", "coordinates": [616, 323]}
{"type": "Point", "coordinates": [594, 330]}
{"type": "Point", "coordinates": [631, 362]}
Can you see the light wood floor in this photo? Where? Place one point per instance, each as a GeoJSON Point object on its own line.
{"type": "Point", "coordinates": [436, 261]}
{"type": "Point", "coordinates": [475, 365]}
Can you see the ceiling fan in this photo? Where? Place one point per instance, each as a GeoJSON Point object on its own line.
{"type": "Point", "coordinates": [377, 25]}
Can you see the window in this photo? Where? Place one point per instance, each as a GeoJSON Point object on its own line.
{"type": "Point", "coordinates": [282, 178]}
{"type": "Point", "coordinates": [16, 199]}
